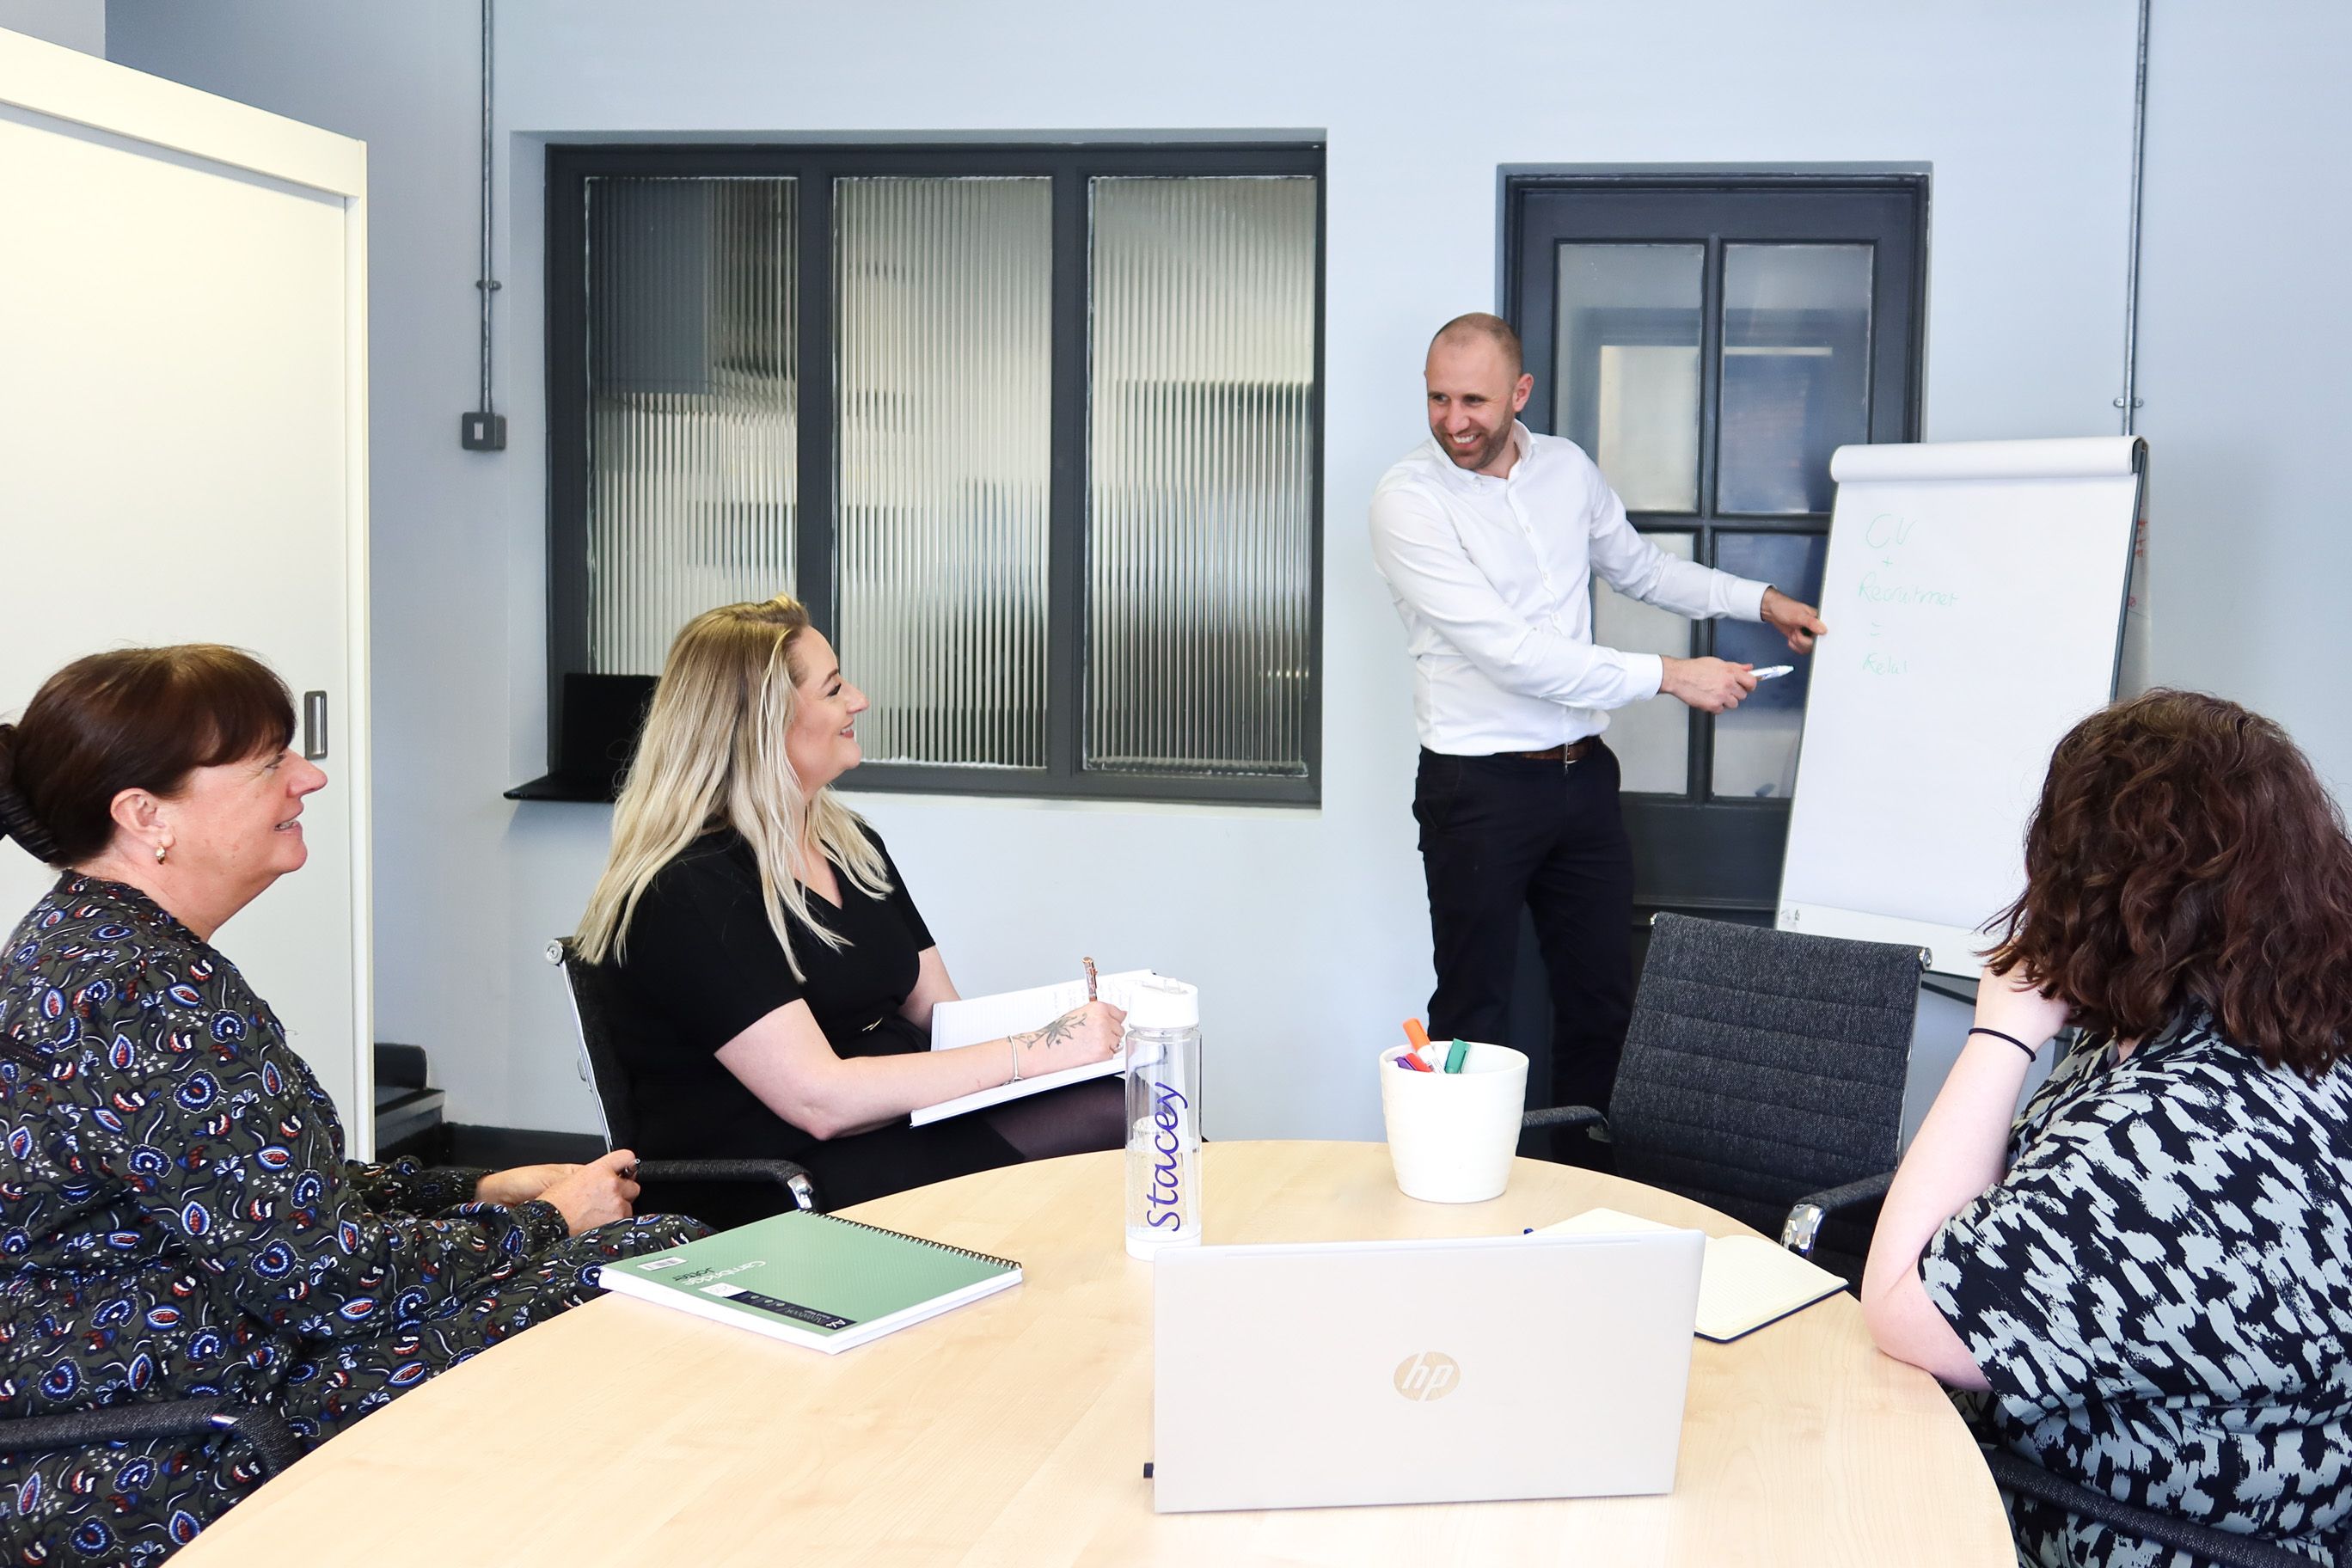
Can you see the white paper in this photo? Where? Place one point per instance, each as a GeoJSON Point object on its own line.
{"type": "Point", "coordinates": [1745, 1283]}
{"type": "Point", "coordinates": [973, 1019]}
{"type": "Point", "coordinates": [1975, 595]}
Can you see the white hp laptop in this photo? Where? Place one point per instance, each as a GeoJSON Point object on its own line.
{"type": "Point", "coordinates": [1395, 1372]}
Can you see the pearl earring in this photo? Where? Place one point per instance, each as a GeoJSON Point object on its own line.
{"type": "Point", "coordinates": [160, 851]}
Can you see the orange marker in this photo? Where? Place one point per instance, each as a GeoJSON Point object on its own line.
{"type": "Point", "coordinates": [1416, 1034]}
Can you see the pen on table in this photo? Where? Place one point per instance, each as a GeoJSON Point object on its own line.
{"type": "Point", "coordinates": [1090, 977]}
{"type": "Point", "coordinates": [1772, 671]}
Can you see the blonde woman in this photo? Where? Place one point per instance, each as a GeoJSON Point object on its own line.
{"type": "Point", "coordinates": [782, 979]}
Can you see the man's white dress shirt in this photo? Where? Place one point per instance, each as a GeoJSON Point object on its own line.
{"type": "Point", "coordinates": [1492, 578]}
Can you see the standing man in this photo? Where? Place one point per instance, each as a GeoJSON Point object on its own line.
{"type": "Point", "coordinates": [1488, 536]}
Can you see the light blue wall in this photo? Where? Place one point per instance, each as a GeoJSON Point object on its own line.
{"type": "Point", "coordinates": [1305, 929]}
{"type": "Point", "coordinates": [76, 24]}
{"type": "Point", "coordinates": [2246, 360]}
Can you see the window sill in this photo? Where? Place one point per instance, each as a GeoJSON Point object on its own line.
{"type": "Point", "coordinates": [554, 787]}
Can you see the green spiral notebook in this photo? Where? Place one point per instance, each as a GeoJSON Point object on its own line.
{"type": "Point", "coordinates": [816, 1279]}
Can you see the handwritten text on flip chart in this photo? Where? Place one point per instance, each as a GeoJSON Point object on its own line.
{"type": "Point", "coordinates": [1896, 590]}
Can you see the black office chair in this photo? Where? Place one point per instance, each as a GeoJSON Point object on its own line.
{"type": "Point", "coordinates": [2022, 1478]}
{"type": "Point", "coordinates": [718, 1192]}
{"type": "Point", "coordinates": [1763, 1077]}
{"type": "Point", "coordinates": [258, 1437]}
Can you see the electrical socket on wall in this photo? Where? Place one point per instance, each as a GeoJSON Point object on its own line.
{"type": "Point", "coordinates": [482, 431]}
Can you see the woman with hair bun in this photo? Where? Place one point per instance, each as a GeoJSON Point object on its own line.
{"type": "Point", "coordinates": [780, 979]}
{"type": "Point", "coordinates": [177, 1219]}
{"type": "Point", "coordinates": [2147, 1277]}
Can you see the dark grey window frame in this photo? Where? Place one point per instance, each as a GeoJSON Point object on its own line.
{"type": "Point", "coordinates": [1070, 166]}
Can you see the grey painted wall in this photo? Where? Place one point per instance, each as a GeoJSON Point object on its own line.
{"type": "Point", "coordinates": [1306, 928]}
{"type": "Point", "coordinates": [76, 24]}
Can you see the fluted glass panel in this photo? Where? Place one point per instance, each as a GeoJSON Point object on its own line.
{"type": "Point", "coordinates": [943, 327]}
{"type": "Point", "coordinates": [1199, 526]}
{"type": "Point", "coordinates": [692, 407]}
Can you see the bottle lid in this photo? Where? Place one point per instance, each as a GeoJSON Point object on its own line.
{"type": "Point", "coordinates": [1159, 1002]}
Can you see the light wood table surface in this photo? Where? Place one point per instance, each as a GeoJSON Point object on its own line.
{"type": "Point", "coordinates": [1013, 1431]}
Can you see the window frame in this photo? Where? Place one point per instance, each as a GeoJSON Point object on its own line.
{"type": "Point", "coordinates": [815, 166]}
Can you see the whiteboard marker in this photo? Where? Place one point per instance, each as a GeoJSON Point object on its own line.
{"type": "Point", "coordinates": [1771, 670]}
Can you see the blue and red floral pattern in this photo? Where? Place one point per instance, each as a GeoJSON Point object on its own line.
{"type": "Point", "coordinates": [177, 1220]}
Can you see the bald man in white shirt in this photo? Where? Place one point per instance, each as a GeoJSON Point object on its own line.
{"type": "Point", "coordinates": [1488, 536]}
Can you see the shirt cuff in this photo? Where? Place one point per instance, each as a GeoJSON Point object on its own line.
{"type": "Point", "coordinates": [1747, 599]}
{"type": "Point", "coordinates": [1646, 673]}
{"type": "Point", "coordinates": [541, 1224]}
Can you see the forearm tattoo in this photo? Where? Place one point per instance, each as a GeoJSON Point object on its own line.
{"type": "Point", "coordinates": [1041, 1040]}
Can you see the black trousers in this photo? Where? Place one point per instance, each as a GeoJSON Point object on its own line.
{"type": "Point", "coordinates": [1499, 834]}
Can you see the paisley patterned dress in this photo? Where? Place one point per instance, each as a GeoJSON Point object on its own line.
{"type": "Point", "coordinates": [177, 1220]}
{"type": "Point", "coordinates": [2160, 1293]}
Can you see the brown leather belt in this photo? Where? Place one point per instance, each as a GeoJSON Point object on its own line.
{"type": "Point", "coordinates": [1574, 752]}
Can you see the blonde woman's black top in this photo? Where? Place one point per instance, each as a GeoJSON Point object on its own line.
{"type": "Point", "coordinates": [703, 965]}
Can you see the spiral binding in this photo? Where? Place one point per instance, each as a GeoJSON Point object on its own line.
{"type": "Point", "coordinates": [923, 1241]}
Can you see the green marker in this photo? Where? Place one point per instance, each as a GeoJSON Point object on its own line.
{"type": "Point", "coordinates": [1454, 1054]}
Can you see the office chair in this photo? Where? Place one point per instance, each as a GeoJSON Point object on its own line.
{"type": "Point", "coordinates": [1763, 1077]}
{"type": "Point", "coordinates": [718, 1186]}
{"type": "Point", "coordinates": [2020, 1477]}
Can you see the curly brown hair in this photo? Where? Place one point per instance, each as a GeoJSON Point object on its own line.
{"type": "Point", "coordinates": [2185, 853]}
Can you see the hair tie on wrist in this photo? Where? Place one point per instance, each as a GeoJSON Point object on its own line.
{"type": "Point", "coordinates": [2030, 1054]}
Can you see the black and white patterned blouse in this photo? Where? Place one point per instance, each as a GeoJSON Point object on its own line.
{"type": "Point", "coordinates": [2159, 1292]}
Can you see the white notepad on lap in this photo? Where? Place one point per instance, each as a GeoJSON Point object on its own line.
{"type": "Point", "coordinates": [1746, 1282]}
{"type": "Point", "coordinates": [973, 1019]}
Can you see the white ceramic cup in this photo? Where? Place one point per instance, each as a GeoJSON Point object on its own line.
{"type": "Point", "coordinates": [1451, 1135]}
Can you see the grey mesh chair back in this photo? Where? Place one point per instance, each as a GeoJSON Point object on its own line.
{"type": "Point", "coordinates": [1762, 1066]}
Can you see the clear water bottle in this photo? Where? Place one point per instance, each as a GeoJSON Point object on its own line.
{"type": "Point", "coordinates": [1163, 1116]}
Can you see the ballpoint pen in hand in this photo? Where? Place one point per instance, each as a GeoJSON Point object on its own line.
{"type": "Point", "coordinates": [1090, 978]}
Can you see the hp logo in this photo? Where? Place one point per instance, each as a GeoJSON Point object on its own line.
{"type": "Point", "coordinates": [1427, 1376]}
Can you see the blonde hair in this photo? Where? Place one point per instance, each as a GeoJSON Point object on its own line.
{"type": "Point", "coordinates": [713, 752]}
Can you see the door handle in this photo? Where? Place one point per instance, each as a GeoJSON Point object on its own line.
{"type": "Point", "coordinates": [314, 725]}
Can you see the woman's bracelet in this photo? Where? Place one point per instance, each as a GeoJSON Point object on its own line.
{"type": "Point", "coordinates": [1014, 1046]}
{"type": "Point", "coordinates": [2030, 1054]}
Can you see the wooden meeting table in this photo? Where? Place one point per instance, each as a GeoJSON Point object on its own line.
{"type": "Point", "coordinates": [1013, 1431]}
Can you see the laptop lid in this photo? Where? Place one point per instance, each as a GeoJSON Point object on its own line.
{"type": "Point", "coordinates": [1446, 1371]}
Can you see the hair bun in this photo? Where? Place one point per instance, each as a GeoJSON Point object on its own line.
{"type": "Point", "coordinates": [16, 818]}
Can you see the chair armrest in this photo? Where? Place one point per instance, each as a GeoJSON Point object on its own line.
{"type": "Point", "coordinates": [272, 1444]}
{"type": "Point", "coordinates": [1565, 1116]}
{"type": "Point", "coordinates": [780, 1172]}
{"type": "Point", "coordinates": [1805, 1216]}
{"type": "Point", "coordinates": [2020, 1477]}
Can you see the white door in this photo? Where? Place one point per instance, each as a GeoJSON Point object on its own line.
{"type": "Point", "coordinates": [182, 414]}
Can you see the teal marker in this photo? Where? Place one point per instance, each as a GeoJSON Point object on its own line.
{"type": "Point", "coordinates": [1454, 1054]}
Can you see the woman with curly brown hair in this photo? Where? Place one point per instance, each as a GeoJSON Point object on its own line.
{"type": "Point", "coordinates": [2147, 1277]}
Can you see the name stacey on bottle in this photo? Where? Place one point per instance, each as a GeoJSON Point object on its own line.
{"type": "Point", "coordinates": [1166, 1198]}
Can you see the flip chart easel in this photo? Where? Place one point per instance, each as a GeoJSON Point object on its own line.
{"type": "Point", "coordinates": [1975, 593]}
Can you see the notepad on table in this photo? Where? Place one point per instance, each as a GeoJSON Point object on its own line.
{"type": "Point", "coordinates": [816, 1279]}
{"type": "Point", "coordinates": [972, 1020]}
{"type": "Point", "coordinates": [1746, 1282]}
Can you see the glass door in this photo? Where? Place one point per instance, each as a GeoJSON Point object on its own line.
{"type": "Point", "coordinates": [1709, 341]}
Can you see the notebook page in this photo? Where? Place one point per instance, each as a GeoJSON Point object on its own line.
{"type": "Point", "coordinates": [1749, 1282]}
{"type": "Point", "coordinates": [1746, 1282]}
